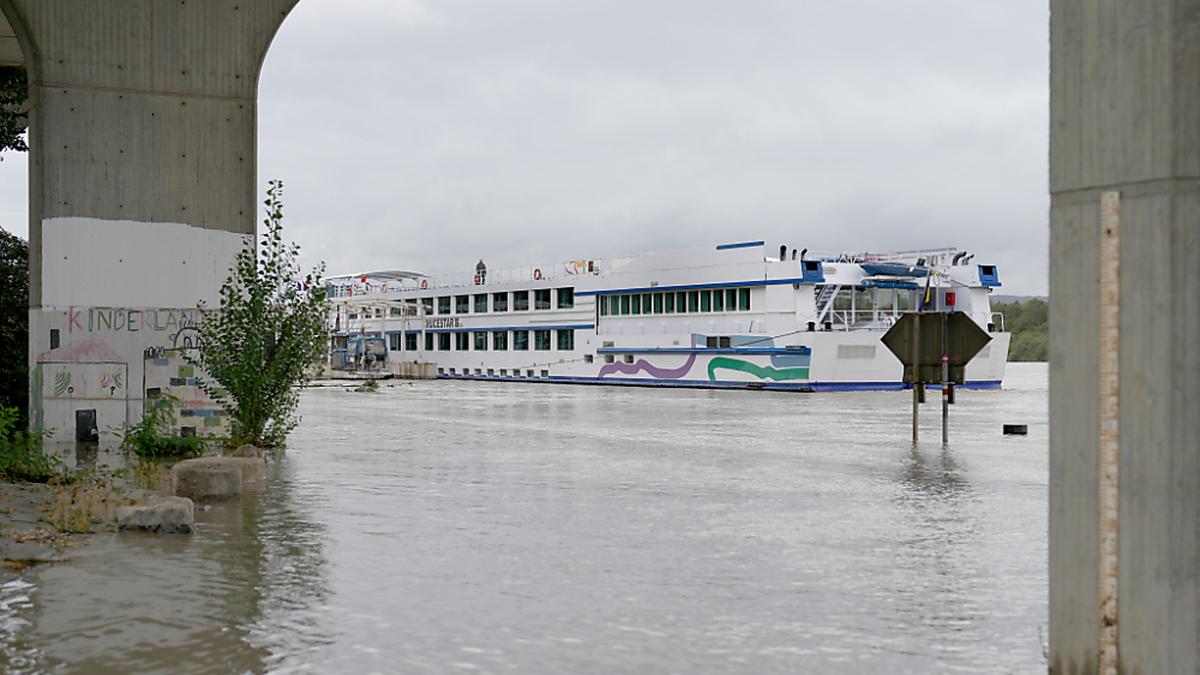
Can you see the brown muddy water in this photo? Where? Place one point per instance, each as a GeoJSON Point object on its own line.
{"type": "Point", "coordinates": [485, 527]}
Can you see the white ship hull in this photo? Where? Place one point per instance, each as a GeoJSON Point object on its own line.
{"type": "Point", "coordinates": [723, 318]}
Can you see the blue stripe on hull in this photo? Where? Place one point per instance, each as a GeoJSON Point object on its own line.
{"type": "Point", "coordinates": [707, 384]}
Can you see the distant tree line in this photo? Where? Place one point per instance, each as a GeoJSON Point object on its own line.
{"type": "Point", "coordinates": [1028, 323]}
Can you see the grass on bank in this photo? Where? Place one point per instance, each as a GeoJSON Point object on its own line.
{"type": "Point", "coordinates": [21, 457]}
{"type": "Point", "coordinates": [154, 438]}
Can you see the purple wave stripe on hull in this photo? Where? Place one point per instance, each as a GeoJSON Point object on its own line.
{"type": "Point", "coordinates": [644, 365]}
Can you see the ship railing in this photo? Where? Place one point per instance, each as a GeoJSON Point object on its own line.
{"type": "Point", "coordinates": [560, 271]}
{"type": "Point", "coordinates": [992, 320]}
{"type": "Point", "coordinates": [875, 256]}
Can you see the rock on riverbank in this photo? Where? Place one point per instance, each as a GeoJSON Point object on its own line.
{"type": "Point", "coordinates": [162, 514]}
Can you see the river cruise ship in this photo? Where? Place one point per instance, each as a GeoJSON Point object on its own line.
{"type": "Point", "coordinates": [739, 315]}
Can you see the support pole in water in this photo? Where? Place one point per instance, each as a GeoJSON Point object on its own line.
{"type": "Point", "coordinates": [1110, 438]}
{"type": "Point", "coordinates": [916, 350]}
{"type": "Point", "coordinates": [945, 383]}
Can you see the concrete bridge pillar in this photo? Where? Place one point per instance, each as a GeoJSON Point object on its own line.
{"type": "Point", "coordinates": [1125, 117]}
{"type": "Point", "coordinates": [142, 185]}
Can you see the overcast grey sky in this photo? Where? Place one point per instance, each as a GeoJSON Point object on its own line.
{"type": "Point", "coordinates": [426, 135]}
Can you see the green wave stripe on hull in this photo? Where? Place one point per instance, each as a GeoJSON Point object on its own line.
{"type": "Point", "coordinates": [761, 372]}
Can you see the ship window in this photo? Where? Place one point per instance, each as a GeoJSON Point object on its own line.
{"type": "Point", "coordinates": [520, 301]}
{"type": "Point", "coordinates": [629, 358]}
{"type": "Point", "coordinates": [743, 299]}
{"type": "Point", "coordinates": [499, 302]}
{"type": "Point", "coordinates": [541, 298]}
{"type": "Point", "coordinates": [462, 304]}
{"type": "Point", "coordinates": [614, 305]}
{"type": "Point", "coordinates": [394, 341]}
{"type": "Point", "coordinates": [491, 372]}
{"type": "Point", "coordinates": [429, 342]}
{"type": "Point", "coordinates": [646, 303]}
{"type": "Point", "coordinates": [451, 371]}
{"type": "Point", "coordinates": [725, 342]}
{"type": "Point", "coordinates": [541, 340]}
{"type": "Point", "coordinates": [545, 373]}
{"type": "Point", "coordinates": [504, 372]}
{"type": "Point", "coordinates": [603, 304]}
{"type": "Point", "coordinates": [566, 298]}
{"type": "Point", "coordinates": [693, 301]}
{"type": "Point", "coordinates": [636, 304]}
{"type": "Point", "coordinates": [711, 342]}
{"type": "Point", "coordinates": [624, 304]}
{"type": "Point", "coordinates": [462, 341]}
{"type": "Point", "coordinates": [481, 303]}
{"type": "Point", "coordinates": [669, 303]}
{"type": "Point", "coordinates": [500, 340]}
{"type": "Point", "coordinates": [588, 358]}
{"type": "Point", "coordinates": [481, 341]}
{"type": "Point", "coordinates": [410, 342]}
{"type": "Point", "coordinates": [443, 341]}
{"type": "Point", "coordinates": [706, 301]}
{"type": "Point", "coordinates": [608, 358]}
{"type": "Point", "coordinates": [427, 303]}
{"type": "Point", "coordinates": [529, 373]}
{"type": "Point", "coordinates": [444, 304]}
{"type": "Point", "coordinates": [479, 371]}
{"type": "Point", "coordinates": [521, 340]}
{"type": "Point", "coordinates": [566, 340]}
{"type": "Point", "coordinates": [718, 300]}
{"type": "Point", "coordinates": [395, 311]}
{"type": "Point", "coordinates": [681, 302]}
{"type": "Point", "coordinates": [658, 303]}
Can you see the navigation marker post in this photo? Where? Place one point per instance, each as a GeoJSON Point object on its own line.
{"type": "Point", "coordinates": [945, 384]}
{"type": "Point", "coordinates": [916, 388]}
{"type": "Point", "coordinates": [935, 348]}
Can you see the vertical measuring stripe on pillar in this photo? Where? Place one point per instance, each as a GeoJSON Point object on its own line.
{"type": "Point", "coordinates": [1110, 440]}
{"type": "Point", "coordinates": [916, 358]}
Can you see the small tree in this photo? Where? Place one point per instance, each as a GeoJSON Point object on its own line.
{"type": "Point", "coordinates": [14, 91]}
{"type": "Point", "coordinates": [14, 324]}
{"type": "Point", "coordinates": [258, 347]}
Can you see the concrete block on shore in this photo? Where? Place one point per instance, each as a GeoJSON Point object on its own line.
{"type": "Point", "coordinates": [216, 477]}
{"type": "Point", "coordinates": [206, 480]}
{"type": "Point", "coordinates": [248, 450]}
{"type": "Point", "coordinates": [162, 514]}
{"type": "Point", "coordinates": [253, 469]}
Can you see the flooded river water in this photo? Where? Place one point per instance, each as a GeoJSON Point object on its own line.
{"type": "Point", "coordinates": [485, 527]}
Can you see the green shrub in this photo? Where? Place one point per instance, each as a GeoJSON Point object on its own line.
{"type": "Point", "coordinates": [153, 437]}
{"type": "Point", "coordinates": [21, 455]}
{"type": "Point", "coordinates": [259, 345]}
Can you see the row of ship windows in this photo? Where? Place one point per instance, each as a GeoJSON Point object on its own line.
{"type": "Point", "coordinates": [483, 303]}
{"type": "Point", "coordinates": [564, 340]}
{"type": "Point", "coordinates": [543, 298]}
{"type": "Point", "coordinates": [491, 372]}
{"type": "Point", "coordinates": [677, 302]}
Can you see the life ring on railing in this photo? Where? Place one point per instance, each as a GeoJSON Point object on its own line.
{"type": "Point", "coordinates": [537, 274]}
{"type": "Point", "coordinates": [424, 283]}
